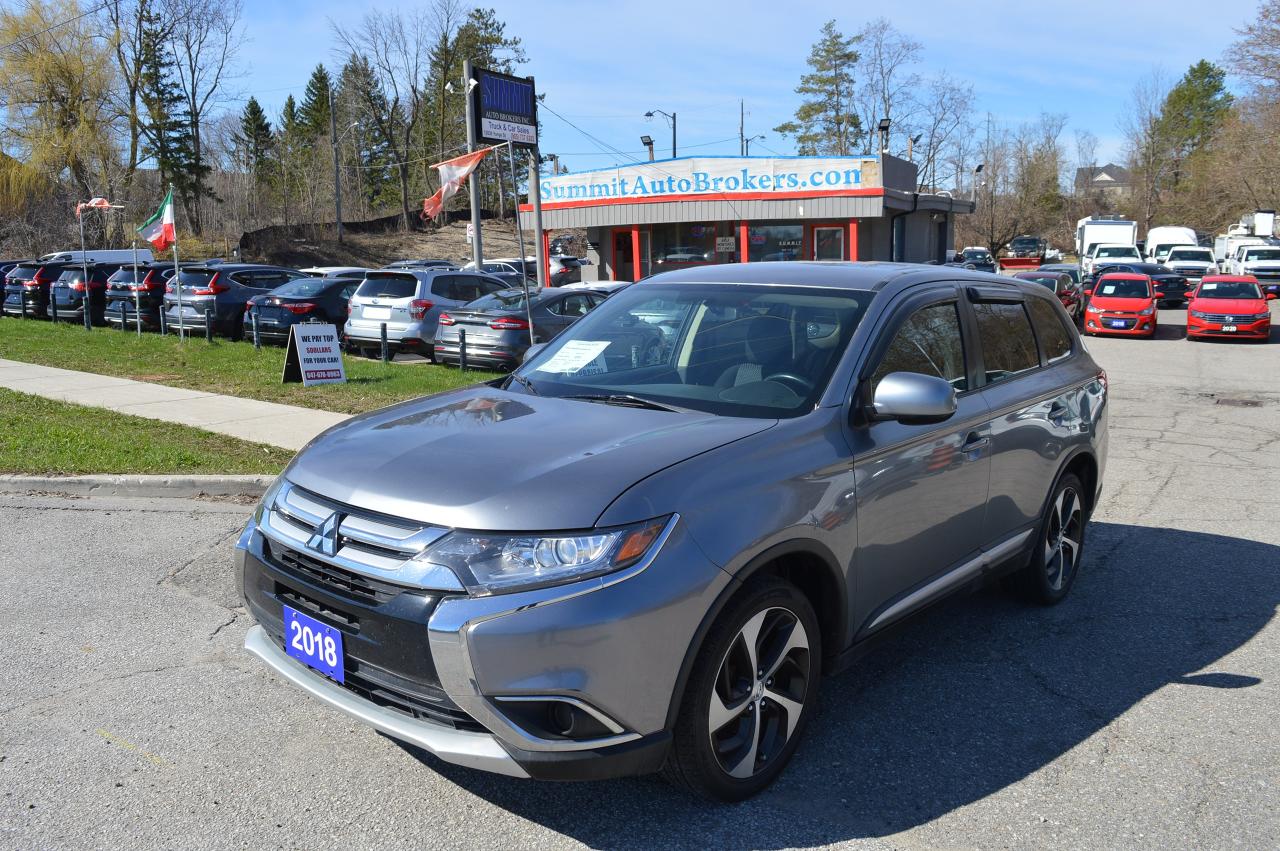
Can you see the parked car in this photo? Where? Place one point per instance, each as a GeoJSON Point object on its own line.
{"type": "Point", "coordinates": [1191, 262]}
{"type": "Point", "coordinates": [1067, 290]}
{"type": "Point", "coordinates": [297, 302]}
{"type": "Point", "coordinates": [977, 259]}
{"type": "Point", "coordinates": [600, 567]}
{"type": "Point", "coordinates": [1071, 269]}
{"type": "Point", "coordinates": [1261, 262]}
{"type": "Point", "coordinates": [356, 272]}
{"type": "Point", "coordinates": [26, 288]}
{"type": "Point", "coordinates": [99, 255]}
{"type": "Point", "coordinates": [129, 294]}
{"type": "Point", "coordinates": [1170, 283]}
{"type": "Point", "coordinates": [563, 270]}
{"type": "Point", "coordinates": [220, 290]}
{"type": "Point", "coordinates": [1231, 306]}
{"type": "Point", "coordinates": [422, 264]}
{"type": "Point", "coordinates": [1108, 254]}
{"type": "Point", "coordinates": [70, 292]}
{"type": "Point", "coordinates": [497, 326]}
{"type": "Point", "coordinates": [409, 302]}
{"type": "Point", "coordinates": [504, 271]}
{"type": "Point", "coordinates": [1122, 303]}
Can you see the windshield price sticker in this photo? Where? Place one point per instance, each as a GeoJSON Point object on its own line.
{"type": "Point", "coordinates": [1108, 290]}
{"type": "Point", "coordinates": [574, 355]}
{"type": "Point", "coordinates": [1210, 286]}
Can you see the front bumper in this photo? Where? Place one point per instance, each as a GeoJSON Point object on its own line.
{"type": "Point", "coordinates": [615, 645]}
{"type": "Point", "coordinates": [478, 352]}
{"type": "Point", "coordinates": [1257, 329]}
{"type": "Point", "coordinates": [1137, 326]}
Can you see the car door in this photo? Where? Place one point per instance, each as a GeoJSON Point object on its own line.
{"type": "Point", "coordinates": [921, 490]}
{"type": "Point", "coordinates": [1034, 415]}
{"type": "Point", "coordinates": [563, 312]}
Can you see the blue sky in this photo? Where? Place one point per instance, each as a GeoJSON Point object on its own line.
{"type": "Point", "coordinates": [603, 65]}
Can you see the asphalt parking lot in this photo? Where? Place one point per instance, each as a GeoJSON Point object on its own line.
{"type": "Point", "coordinates": [1143, 712]}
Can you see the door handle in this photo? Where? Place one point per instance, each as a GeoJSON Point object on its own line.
{"type": "Point", "coordinates": [975, 442]}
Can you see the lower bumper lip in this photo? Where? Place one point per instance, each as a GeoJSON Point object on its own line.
{"type": "Point", "coordinates": [473, 750]}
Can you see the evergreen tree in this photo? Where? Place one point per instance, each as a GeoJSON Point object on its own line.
{"type": "Point", "coordinates": [314, 111]}
{"type": "Point", "coordinates": [826, 121]}
{"type": "Point", "coordinates": [166, 122]}
{"type": "Point", "coordinates": [1194, 109]}
{"type": "Point", "coordinates": [255, 138]}
{"type": "Point", "coordinates": [357, 95]}
{"type": "Point", "coordinates": [290, 120]}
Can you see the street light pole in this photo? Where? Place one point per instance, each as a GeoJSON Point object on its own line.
{"type": "Point", "coordinates": [337, 174]}
{"type": "Point", "coordinates": [671, 116]}
{"type": "Point", "coordinates": [473, 184]}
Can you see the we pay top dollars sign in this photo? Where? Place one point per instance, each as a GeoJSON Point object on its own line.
{"type": "Point", "coordinates": [314, 356]}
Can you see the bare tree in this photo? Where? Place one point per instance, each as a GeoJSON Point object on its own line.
{"type": "Point", "coordinates": [943, 115]}
{"type": "Point", "coordinates": [206, 35]}
{"type": "Point", "coordinates": [1256, 55]}
{"type": "Point", "coordinates": [1148, 154]}
{"type": "Point", "coordinates": [888, 87]}
{"type": "Point", "coordinates": [397, 46]}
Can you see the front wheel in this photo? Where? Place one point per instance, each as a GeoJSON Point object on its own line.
{"type": "Point", "coordinates": [1055, 561]}
{"type": "Point", "coordinates": [752, 690]}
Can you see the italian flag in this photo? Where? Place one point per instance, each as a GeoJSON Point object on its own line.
{"type": "Point", "coordinates": [158, 230]}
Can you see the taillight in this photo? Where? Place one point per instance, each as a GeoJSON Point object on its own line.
{"type": "Point", "coordinates": [418, 307]}
{"type": "Point", "coordinates": [213, 287]}
{"type": "Point", "coordinates": [350, 308]}
{"type": "Point", "coordinates": [248, 305]}
{"type": "Point", "coordinates": [168, 288]}
{"type": "Point", "coordinates": [446, 319]}
{"type": "Point", "coordinates": [300, 307]}
{"type": "Point", "coordinates": [32, 284]}
{"type": "Point", "coordinates": [78, 286]}
{"type": "Point", "coordinates": [509, 323]}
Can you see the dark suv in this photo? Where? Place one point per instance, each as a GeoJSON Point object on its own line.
{"type": "Point", "coordinates": [71, 291]}
{"type": "Point", "coordinates": [221, 292]}
{"type": "Point", "coordinates": [131, 293]}
{"type": "Point", "coordinates": [26, 288]}
{"type": "Point", "coordinates": [606, 564]}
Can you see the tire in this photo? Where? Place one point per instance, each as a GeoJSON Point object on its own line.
{"type": "Point", "coordinates": [757, 736]}
{"type": "Point", "coordinates": [1054, 565]}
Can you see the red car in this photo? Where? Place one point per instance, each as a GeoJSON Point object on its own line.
{"type": "Point", "coordinates": [1124, 304]}
{"type": "Point", "coordinates": [1229, 306]}
{"type": "Point", "coordinates": [1067, 290]}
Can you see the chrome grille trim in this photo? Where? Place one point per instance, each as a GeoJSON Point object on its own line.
{"type": "Point", "coordinates": [367, 545]}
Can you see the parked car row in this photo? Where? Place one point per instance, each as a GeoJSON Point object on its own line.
{"type": "Point", "coordinates": [1127, 304]}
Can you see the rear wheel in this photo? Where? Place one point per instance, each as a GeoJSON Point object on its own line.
{"type": "Point", "coordinates": [752, 690]}
{"type": "Point", "coordinates": [1055, 560]}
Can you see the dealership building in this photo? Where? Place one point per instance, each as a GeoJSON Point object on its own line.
{"type": "Point", "coordinates": [644, 218]}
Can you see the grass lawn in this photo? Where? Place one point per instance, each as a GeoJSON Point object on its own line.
{"type": "Point", "coordinates": [222, 366]}
{"type": "Point", "coordinates": [42, 437]}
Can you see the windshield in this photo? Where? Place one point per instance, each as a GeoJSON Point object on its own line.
{"type": "Point", "coordinates": [1050, 281]}
{"type": "Point", "coordinates": [1229, 289]}
{"type": "Point", "coordinates": [981, 255]}
{"type": "Point", "coordinates": [1116, 251]}
{"type": "Point", "coordinates": [727, 349]}
{"type": "Point", "coordinates": [1262, 254]}
{"type": "Point", "coordinates": [1202, 255]}
{"type": "Point", "coordinates": [1024, 242]}
{"type": "Point", "coordinates": [1123, 288]}
{"type": "Point", "coordinates": [304, 287]}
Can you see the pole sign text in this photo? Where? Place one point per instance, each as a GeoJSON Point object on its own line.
{"type": "Point", "coordinates": [715, 177]}
{"type": "Point", "coordinates": [505, 108]}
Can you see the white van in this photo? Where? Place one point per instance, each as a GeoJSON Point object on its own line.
{"type": "Point", "coordinates": [99, 255]}
{"type": "Point", "coordinates": [1161, 239]}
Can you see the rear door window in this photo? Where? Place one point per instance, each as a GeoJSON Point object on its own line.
{"type": "Point", "coordinates": [1055, 340]}
{"type": "Point", "coordinates": [388, 285]}
{"type": "Point", "coordinates": [929, 343]}
{"type": "Point", "coordinates": [1008, 344]}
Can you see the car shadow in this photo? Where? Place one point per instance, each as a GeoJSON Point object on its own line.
{"type": "Point", "coordinates": [957, 706]}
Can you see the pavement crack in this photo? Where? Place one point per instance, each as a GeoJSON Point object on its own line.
{"type": "Point", "coordinates": [235, 615]}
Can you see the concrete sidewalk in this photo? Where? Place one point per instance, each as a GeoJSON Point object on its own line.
{"type": "Point", "coordinates": [287, 426]}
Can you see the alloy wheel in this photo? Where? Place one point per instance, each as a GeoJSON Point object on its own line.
{"type": "Point", "coordinates": [759, 692]}
{"type": "Point", "coordinates": [1063, 538]}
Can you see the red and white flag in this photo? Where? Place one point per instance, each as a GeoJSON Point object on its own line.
{"type": "Point", "coordinates": [453, 173]}
{"type": "Point", "coordinates": [93, 204]}
{"type": "Point", "coordinates": [158, 230]}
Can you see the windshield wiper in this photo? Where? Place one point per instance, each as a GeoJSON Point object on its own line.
{"type": "Point", "coordinates": [525, 383]}
{"type": "Point", "coordinates": [626, 400]}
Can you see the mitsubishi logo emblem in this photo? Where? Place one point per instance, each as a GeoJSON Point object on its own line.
{"type": "Point", "coordinates": [325, 539]}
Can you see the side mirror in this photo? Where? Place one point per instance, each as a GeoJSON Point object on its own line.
{"type": "Point", "coordinates": [913, 398]}
{"type": "Point", "coordinates": [532, 350]}
{"type": "Point", "coordinates": [1159, 294]}
{"type": "Point", "coordinates": [1088, 291]}
{"type": "Point", "coordinates": [1272, 296]}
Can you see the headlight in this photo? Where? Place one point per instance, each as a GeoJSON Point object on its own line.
{"type": "Point", "coordinates": [1199, 314]}
{"type": "Point", "coordinates": [1092, 309]}
{"type": "Point", "coordinates": [1258, 316]}
{"type": "Point", "coordinates": [268, 499]}
{"type": "Point", "coordinates": [1146, 311]}
{"type": "Point", "coordinates": [499, 564]}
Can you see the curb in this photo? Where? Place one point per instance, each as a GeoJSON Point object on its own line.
{"type": "Point", "coordinates": [174, 487]}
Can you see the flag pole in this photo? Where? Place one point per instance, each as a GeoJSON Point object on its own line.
{"type": "Point", "coordinates": [137, 291]}
{"type": "Point", "coordinates": [177, 270]}
{"type": "Point", "coordinates": [84, 266]}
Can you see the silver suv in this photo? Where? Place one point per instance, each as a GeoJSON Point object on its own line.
{"type": "Point", "coordinates": [409, 303]}
{"type": "Point", "coordinates": [607, 564]}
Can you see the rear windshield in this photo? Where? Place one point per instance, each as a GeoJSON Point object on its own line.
{"type": "Point", "coordinates": [571, 262]}
{"type": "Point", "coordinates": [388, 286]}
{"type": "Point", "coordinates": [503, 300]}
{"type": "Point", "coordinates": [304, 287]}
{"type": "Point", "coordinates": [1050, 281]}
{"type": "Point", "coordinates": [124, 275]}
{"type": "Point", "coordinates": [25, 272]}
{"type": "Point", "coordinates": [1123, 288]}
{"type": "Point", "coordinates": [1229, 289]}
{"type": "Point", "coordinates": [195, 279]}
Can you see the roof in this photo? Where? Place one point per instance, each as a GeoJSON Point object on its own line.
{"type": "Point", "coordinates": [1124, 276]}
{"type": "Point", "coordinates": [1109, 174]}
{"type": "Point", "coordinates": [856, 275]}
{"type": "Point", "coordinates": [1230, 279]}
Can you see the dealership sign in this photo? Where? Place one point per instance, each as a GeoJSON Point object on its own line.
{"type": "Point", "coordinates": [716, 177]}
{"type": "Point", "coordinates": [505, 108]}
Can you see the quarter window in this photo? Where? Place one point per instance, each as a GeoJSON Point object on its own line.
{"type": "Point", "coordinates": [928, 343]}
{"type": "Point", "coordinates": [1053, 335]}
{"type": "Point", "coordinates": [1008, 345]}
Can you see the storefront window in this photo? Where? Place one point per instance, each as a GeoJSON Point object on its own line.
{"type": "Point", "coordinates": [775, 242]}
{"type": "Point", "coordinates": [677, 246]}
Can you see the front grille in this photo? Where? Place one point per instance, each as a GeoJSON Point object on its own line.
{"type": "Point", "coordinates": [1228, 318]}
{"type": "Point", "coordinates": [415, 706]}
{"type": "Point", "coordinates": [355, 586]}
{"type": "Point", "coordinates": [1188, 271]}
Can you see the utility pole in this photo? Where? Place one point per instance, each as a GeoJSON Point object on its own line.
{"type": "Point", "coordinates": [337, 173]}
{"type": "Point", "coordinates": [742, 144]}
{"type": "Point", "coordinates": [535, 196]}
{"type": "Point", "coordinates": [555, 164]}
{"type": "Point", "coordinates": [477, 245]}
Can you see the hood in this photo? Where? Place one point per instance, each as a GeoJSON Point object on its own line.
{"type": "Point", "coordinates": [483, 458]}
{"type": "Point", "coordinates": [1110, 302]}
{"type": "Point", "coordinates": [1229, 306]}
{"type": "Point", "coordinates": [1262, 264]}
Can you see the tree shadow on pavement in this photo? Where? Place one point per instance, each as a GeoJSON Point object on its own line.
{"type": "Point", "coordinates": [958, 705]}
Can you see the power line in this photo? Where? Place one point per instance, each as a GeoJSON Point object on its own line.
{"type": "Point", "coordinates": [86, 14]}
